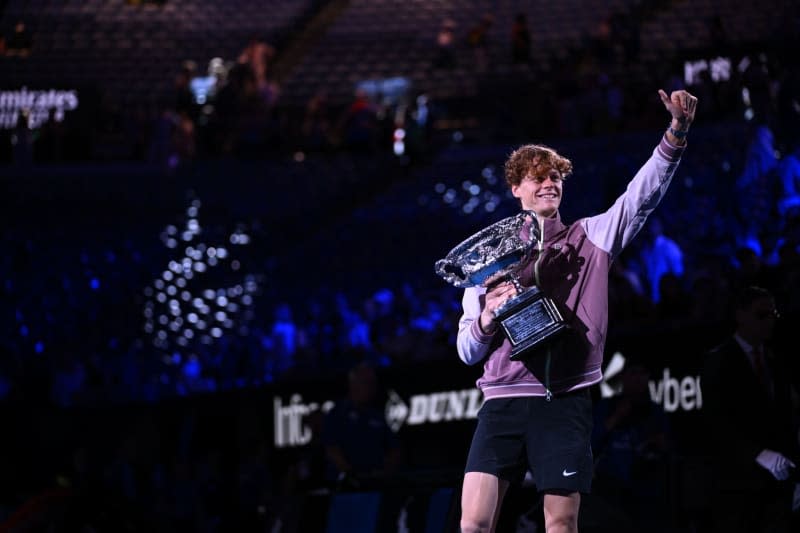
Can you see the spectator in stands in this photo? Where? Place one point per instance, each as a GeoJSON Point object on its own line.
{"type": "Point", "coordinates": [789, 171]}
{"type": "Point", "coordinates": [258, 56]}
{"type": "Point", "coordinates": [478, 40]}
{"type": "Point", "coordinates": [750, 270]}
{"type": "Point", "coordinates": [284, 337]}
{"type": "Point", "coordinates": [520, 40]}
{"type": "Point", "coordinates": [445, 57]}
{"type": "Point", "coordinates": [602, 45]}
{"type": "Point", "coordinates": [355, 339]}
{"type": "Point", "coordinates": [788, 112]}
{"type": "Point", "coordinates": [173, 142]}
{"type": "Point", "coordinates": [659, 255]}
{"type": "Point", "coordinates": [22, 140]}
{"type": "Point", "coordinates": [358, 443]}
{"type": "Point", "coordinates": [630, 440]}
{"type": "Point", "coordinates": [746, 395]}
{"type": "Point", "coordinates": [786, 274]}
{"type": "Point", "coordinates": [717, 36]}
{"type": "Point", "coordinates": [184, 99]}
{"type": "Point", "coordinates": [49, 146]}
{"type": "Point", "coordinates": [625, 30]}
{"type": "Point", "coordinates": [68, 380]}
{"type": "Point", "coordinates": [317, 123]}
{"type": "Point", "coordinates": [537, 411]}
{"type": "Point", "coordinates": [254, 479]}
{"type": "Point", "coordinates": [613, 98]}
{"type": "Point", "coordinates": [754, 187]}
{"type": "Point", "coordinates": [709, 298]}
{"type": "Point", "coordinates": [20, 42]}
{"type": "Point", "coordinates": [184, 142]}
{"type": "Point", "coordinates": [674, 303]}
{"type": "Point", "coordinates": [757, 79]}
{"type": "Point", "coordinates": [627, 295]}
{"type": "Point", "coordinates": [359, 124]}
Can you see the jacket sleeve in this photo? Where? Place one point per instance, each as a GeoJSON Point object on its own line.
{"type": "Point", "coordinates": [613, 230]}
{"type": "Point", "coordinates": [472, 343]}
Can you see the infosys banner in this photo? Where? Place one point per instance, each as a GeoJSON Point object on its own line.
{"type": "Point", "coordinates": [677, 391]}
{"type": "Point", "coordinates": [37, 104]}
{"type": "Point", "coordinates": [291, 419]}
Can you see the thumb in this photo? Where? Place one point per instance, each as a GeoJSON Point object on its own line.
{"type": "Point", "coordinates": [664, 97]}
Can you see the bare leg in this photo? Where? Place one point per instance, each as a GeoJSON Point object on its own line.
{"type": "Point", "coordinates": [481, 498]}
{"type": "Point", "coordinates": [561, 512]}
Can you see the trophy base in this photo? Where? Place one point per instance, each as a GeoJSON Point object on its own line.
{"type": "Point", "coordinates": [529, 320]}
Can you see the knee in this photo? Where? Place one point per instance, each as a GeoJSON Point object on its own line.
{"type": "Point", "coordinates": [469, 525]}
{"type": "Point", "coordinates": [562, 523]}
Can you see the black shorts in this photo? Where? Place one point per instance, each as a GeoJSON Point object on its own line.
{"type": "Point", "coordinates": [552, 439]}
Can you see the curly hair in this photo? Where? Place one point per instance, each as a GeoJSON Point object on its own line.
{"type": "Point", "coordinates": [533, 160]}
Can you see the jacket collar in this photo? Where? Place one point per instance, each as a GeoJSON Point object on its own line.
{"type": "Point", "coordinates": [552, 226]}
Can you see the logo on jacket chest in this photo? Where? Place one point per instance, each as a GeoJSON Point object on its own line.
{"type": "Point", "coordinates": [563, 259]}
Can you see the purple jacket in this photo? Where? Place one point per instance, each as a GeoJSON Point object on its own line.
{"type": "Point", "coordinates": [573, 271]}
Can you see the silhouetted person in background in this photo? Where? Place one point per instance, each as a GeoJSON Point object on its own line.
{"type": "Point", "coordinates": [22, 141]}
{"type": "Point", "coordinates": [630, 442]}
{"type": "Point", "coordinates": [358, 443]}
{"type": "Point", "coordinates": [660, 255]}
{"type": "Point", "coordinates": [359, 124]}
{"type": "Point", "coordinates": [717, 36]}
{"type": "Point", "coordinates": [183, 102]}
{"type": "Point", "coordinates": [20, 42]}
{"type": "Point", "coordinates": [746, 391]}
{"type": "Point", "coordinates": [520, 40]}
{"type": "Point", "coordinates": [445, 57]}
{"type": "Point", "coordinates": [478, 40]}
{"type": "Point", "coordinates": [317, 127]}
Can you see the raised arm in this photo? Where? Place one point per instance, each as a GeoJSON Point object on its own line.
{"type": "Point", "coordinates": [614, 229]}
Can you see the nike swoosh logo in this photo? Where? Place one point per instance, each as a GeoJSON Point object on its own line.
{"type": "Point", "coordinates": [567, 474]}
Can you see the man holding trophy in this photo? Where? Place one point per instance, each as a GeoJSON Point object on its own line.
{"type": "Point", "coordinates": [536, 313]}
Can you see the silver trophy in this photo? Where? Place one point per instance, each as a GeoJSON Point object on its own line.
{"type": "Point", "coordinates": [498, 253]}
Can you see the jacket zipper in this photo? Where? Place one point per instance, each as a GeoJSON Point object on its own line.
{"type": "Point", "coordinates": [540, 246]}
{"type": "Point", "coordinates": [548, 395]}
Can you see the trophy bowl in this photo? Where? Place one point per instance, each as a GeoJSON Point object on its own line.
{"type": "Point", "coordinates": [498, 253]}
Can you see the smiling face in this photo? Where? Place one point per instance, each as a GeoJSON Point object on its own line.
{"type": "Point", "coordinates": [540, 194]}
{"type": "Point", "coordinates": [535, 174]}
